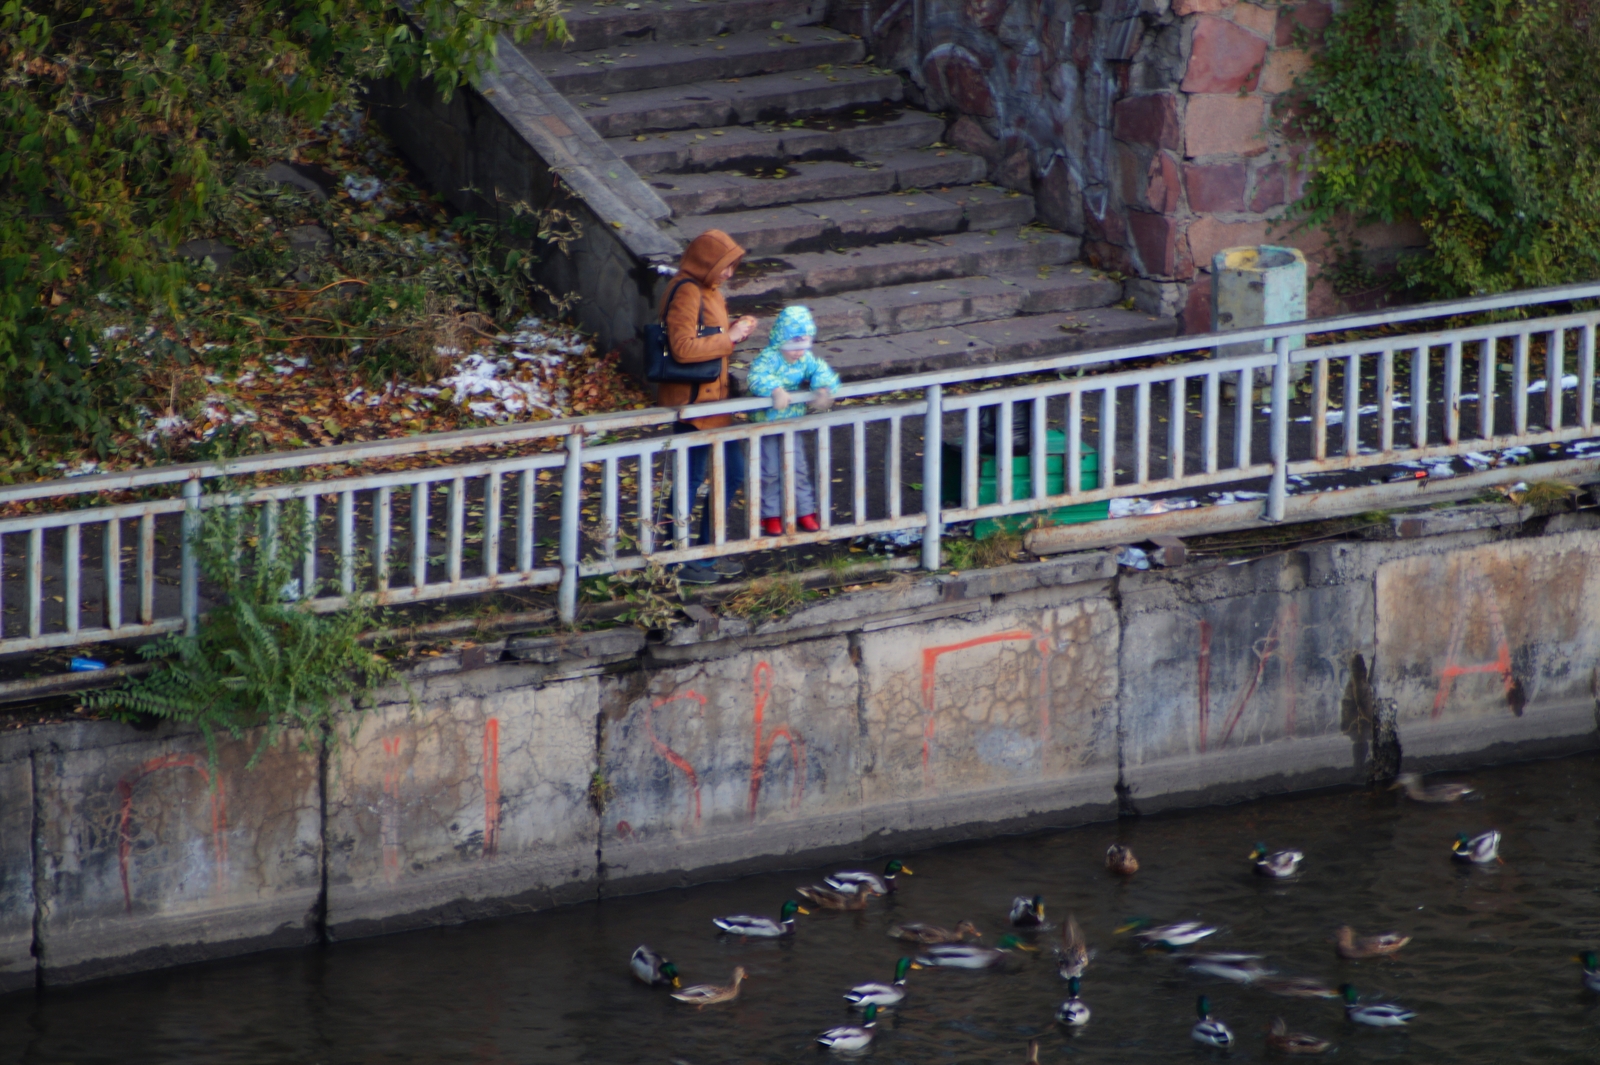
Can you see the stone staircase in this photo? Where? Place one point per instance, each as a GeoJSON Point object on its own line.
{"type": "Point", "coordinates": [752, 117]}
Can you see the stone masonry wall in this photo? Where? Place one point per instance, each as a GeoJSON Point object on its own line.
{"type": "Point", "coordinates": [1152, 128]}
{"type": "Point", "coordinates": [923, 710]}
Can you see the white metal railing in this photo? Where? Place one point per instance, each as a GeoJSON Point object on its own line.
{"type": "Point", "coordinates": [92, 568]}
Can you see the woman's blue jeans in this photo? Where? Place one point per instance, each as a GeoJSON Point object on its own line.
{"type": "Point", "coordinates": [700, 469]}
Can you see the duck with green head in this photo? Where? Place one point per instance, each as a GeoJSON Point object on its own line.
{"type": "Point", "coordinates": [1480, 849]}
{"type": "Point", "coordinates": [1026, 912]}
{"type": "Point", "coordinates": [652, 969]}
{"type": "Point", "coordinates": [1074, 1012]}
{"type": "Point", "coordinates": [850, 881]}
{"type": "Point", "coordinates": [1591, 969]}
{"type": "Point", "coordinates": [1166, 936]}
{"type": "Point", "coordinates": [1277, 864]}
{"type": "Point", "coordinates": [850, 1036]}
{"type": "Point", "coordinates": [971, 955]}
{"type": "Point", "coordinates": [762, 927]}
{"type": "Point", "coordinates": [882, 995]}
{"type": "Point", "coordinates": [1210, 1032]}
{"type": "Point", "coordinates": [1374, 1014]}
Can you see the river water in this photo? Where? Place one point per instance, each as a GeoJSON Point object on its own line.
{"type": "Point", "coordinates": [1490, 971]}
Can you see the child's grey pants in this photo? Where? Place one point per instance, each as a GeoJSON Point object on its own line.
{"type": "Point", "coordinates": [805, 491]}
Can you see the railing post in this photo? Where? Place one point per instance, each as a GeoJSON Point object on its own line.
{"type": "Point", "coordinates": [932, 447]}
{"type": "Point", "coordinates": [189, 571]}
{"type": "Point", "coordinates": [1277, 494]}
{"type": "Point", "coordinates": [571, 508]}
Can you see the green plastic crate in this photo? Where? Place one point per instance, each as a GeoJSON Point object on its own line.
{"type": "Point", "coordinates": [1022, 485]}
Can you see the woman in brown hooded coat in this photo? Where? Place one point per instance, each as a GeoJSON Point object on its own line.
{"type": "Point", "coordinates": [698, 330]}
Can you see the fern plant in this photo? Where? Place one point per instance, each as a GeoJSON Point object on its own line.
{"type": "Point", "coordinates": [261, 658]}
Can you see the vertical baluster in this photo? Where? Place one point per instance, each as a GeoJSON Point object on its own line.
{"type": "Point", "coordinates": [111, 566]}
{"type": "Point", "coordinates": [189, 560]}
{"type": "Point", "coordinates": [717, 497]}
{"type": "Point", "coordinates": [609, 507]}
{"type": "Point", "coordinates": [1002, 449]}
{"type": "Point", "coordinates": [752, 476]}
{"type": "Point", "coordinates": [419, 533]}
{"type": "Point", "coordinates": [1386, 400]}
{"type": "Point", "coordinates": [1488, 356]}
{"type": "Point", "coordinates": [824, 476]}
{"type": "Point", "coordinates": [71, 576]}
{"type": "Point", "coordinates": [571, 512]}
{"type": "Point", "coordinates": [33, 565]}
{"type": "Point", "coordinates": [1452, 393]}
{"type": "Point", "coordinates": [789, 514]}
{"type": "Point", "coordinates": [269, 530]}
{"type": "Point", "coordinates": [1586, 348]}
{"type": "Point", "coordinates": [1243, 415]}
{"type": "Point", "coordinates": [1555, 363]}
{"type": "Point", "coordinates": [1038, 445]}
{"type": "Point", "coordinates": [1211, 413]}
{"type": "Point", "coordinates": [970, 458]}
{"type": "Point", "coordinates": [1278, 491]}
{"type": "Point", "coordinates": [1108, 437]}
{"type": "Point", "coordinates": [347, 542]}
{"type": "Point", "coordinates": [491, 524]}
{"type": "Point", "coordinates": [647, 502]}
{"type": "Point", "coordinates": [1319, 411]}
{"type": "Point", "coordinates": [891, 468]}
{"type": "Point", "coordinates": [932, 472]}
{"type": "Point", "coordinates": [382, 535]}
{"type": "Point", "coordinates": [858, 469]}
{"type": "Point", "coordinates": [308, 573]}
{"type": "Point", "coordinates": [1177, 415]}
{"type": "Point", "coordinates": [1141, 433]}
{"type": "Point", "coordinates": [527, 502]}
{"type": "Point", "coordinates": [147, 569]}
{"type": "Point", "coordinates": [682, 499]}
{"type": "Point", "coordinates": [1352, 405]}
{"type": "Point", "coordinates": [1074, 442]}
{"type": "Point", "coordinates": [1419, 395]}
{"type": "Point", "coordinates": [1519, 385]}
{"type": "Point", "coordinates": [456, 529]}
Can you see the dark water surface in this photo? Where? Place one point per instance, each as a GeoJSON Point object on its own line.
{"type": "Point", "coordinates": [1490, 972]}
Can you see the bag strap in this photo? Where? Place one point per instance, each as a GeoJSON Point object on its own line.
{"type": "Point", "coordinates": [666, 306]}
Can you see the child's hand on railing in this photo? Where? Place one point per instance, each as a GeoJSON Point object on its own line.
{"type": "Point", "coordinates": [822, 400]}
{"type": "Point", "coordinates": [780, 399]}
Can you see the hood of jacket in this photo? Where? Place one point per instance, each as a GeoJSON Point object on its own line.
{"type": "Point", "coordinates": [707, 256]}
{"type": "Point", "coordinates": [792, 323]}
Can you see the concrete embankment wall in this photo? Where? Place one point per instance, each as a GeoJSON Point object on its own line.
{"type": "Point", "coordinates": [900, 715]}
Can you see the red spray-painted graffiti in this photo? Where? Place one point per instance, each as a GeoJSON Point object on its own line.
{"type": "Point", "coordinates": [491, 787]}
{"type": "Point", "coordinates": [1279, 643]}
{"type": "Point", "coordinates": [1454, 667]}
{"type": "Point", "coordinates": [761, 685]}
{"type": "Point", "coordinates": [930, 667]}
{"type": "Point", "coordinates": [389, 808]}
{"type": "Point", "coordinates": [673, 758]}
{"type": "Point", "coordinates": [219, 814]}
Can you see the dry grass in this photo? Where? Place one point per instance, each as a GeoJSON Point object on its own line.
{"type": "Point", "coordinates": [768, 598]}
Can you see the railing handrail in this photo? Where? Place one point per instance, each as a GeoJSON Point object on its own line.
{"type": "Point", "coordinates": [503, 435]}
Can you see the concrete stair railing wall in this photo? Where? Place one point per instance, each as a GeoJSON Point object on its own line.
{"type": "Point", "coordinates": [754, 117]}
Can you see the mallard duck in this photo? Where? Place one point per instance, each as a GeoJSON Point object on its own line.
{"type": "Point", "coordinates": [828, 899]}
{"type": "Point", "coordinates": [1240, 968]}
{"type": "Point", "coordinates": [1349, 945]}
{"type": "Point", "coordinates": [1414, 789]}
{"type": "Point", "coordinates": [1167, 936]}
{"type": "Point", "coordinates": [1278, 863]}
{"type": "Point", "coordinates": [1279, 1038]}
{"type": "Point", "coordinates": [1376, 1014]}
{"type": "Point", "coordinates": [1026, 912]}
{"type": "Point", "coordinates": [1075, 953]}
{"type": "Point", "coordinates": [1073, 1013]}
{"type": "Point", "coordinates": [1207, 1031]}
{"type": "Point", "coordinates": [1591, 969]}
{"type": "Point", "coordinates": [762, 927]}
{"type": "Point", "coordinates": [1481, 849]}
{"type": "Point", "coordinates": [1120, 860]}
{"type": "Point", "coordinates": [851, 881]}
{"type": "Point", "coordinates": [852, 1037]}
{"type": "Point", "coordinates": [970, 955]}
{"type": "Point", "coordinates": [920, 932]}
{"type": "Point", "coordinates": [873, 994]}
{"type": "Point", "coordinates": [710, 994]}
{"type": "Point", "coordinates": [1297, 987]}
{"type": "Point", "coordinates": [652, 968]}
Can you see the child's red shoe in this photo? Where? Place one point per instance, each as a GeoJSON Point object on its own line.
{"type": "Point", "coordinates": [772, 526]}
{"type": "Point", "coordinates": [809, 523]}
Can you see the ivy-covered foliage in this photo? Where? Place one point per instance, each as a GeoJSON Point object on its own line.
{"type": "Point", "coordinates": [1478, 119]}
{"type": "Point", "coordinates": [124, 128]}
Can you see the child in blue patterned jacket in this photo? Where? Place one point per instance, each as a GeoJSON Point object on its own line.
{"type": "Point", "coordinates": [786, 365]}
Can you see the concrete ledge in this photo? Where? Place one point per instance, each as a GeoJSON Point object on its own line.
{"type": "Point", "coordinates": [1240, 773]}
{"type": "Point", "coordinates": [1473, 741]}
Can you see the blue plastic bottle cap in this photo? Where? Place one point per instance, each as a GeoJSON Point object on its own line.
{"type": "Point", "coordinates": [85, 665]}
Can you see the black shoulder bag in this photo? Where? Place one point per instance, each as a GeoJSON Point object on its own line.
{"type": "Point", "coordinates": [659, 365]}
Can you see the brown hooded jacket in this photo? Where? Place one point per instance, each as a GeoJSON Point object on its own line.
{"type": "Point", "coordinates": [695, 304]}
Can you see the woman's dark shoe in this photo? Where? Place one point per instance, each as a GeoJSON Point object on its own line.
{"type": "Point", "coordinates": [697, 572]}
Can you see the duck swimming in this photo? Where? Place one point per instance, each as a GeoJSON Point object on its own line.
{"type": "Point", "coordinates": [703, 995]}
{"type": "Point", "coordinates": [1412, 784]}
{"type": "Point", "coordinates": [1297, 987]}
{"type": "Point", "coordinates": [1279, 1038]}
{"type": "Point", "coordinates": [829, 899]}
{"type": "Point", "coordinates": [1026, 912]}
{"type": "Point", "coordinates": [1073, 1013]}
{"type": "Point", "coordinates": [1376, 1014]}
{"type": "Point", "coordinates": [1591, 969]}
{"type": "Point", "coordinates": [971, 955]}
{"type": "Point", "coordinates": [920, 932]}
{"type": "Point", "coordinates": [1349, 945]}
{"type": "Point", "coordinates": [1207, 1031]}
{"type": "Point", "coordinates": [874, 994]}
{"type": "Point", "coordinates": [1240, 968]}
{"type": "Point", "coordinates": [852, 881]}
{"type": "Point", "coordinates": [1166, 936]}
{"type": "Point", "coordinates": [850, 1036]}
{"type": "Point", "coordinates": [1075, 953]}
{"type": "Point", "coordinates": [1480, 849]}
{"type": "Point", "coordinates": [652, 969]}
{"type": "Point", "coordinates": [1120, 860]}
{"type": "Point", "coordinates": [762, 927]}
{"type": "Point", "coordinates": [1278, 864]}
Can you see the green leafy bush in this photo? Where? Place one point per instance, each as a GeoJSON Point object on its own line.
{"type": "Point", "coordinates": [261, 657]}
{"type": "Point", "coordinates": [1478, 119]}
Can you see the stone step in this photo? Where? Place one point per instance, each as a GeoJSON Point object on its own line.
{"type": "Point", "coordinates": [707, 104]}
{"type": "Point", "coordinates": [865, 220]}
{"type": "Point", "coordinates": [996, 341]}
{"type": "Point", "coordinates": [925, 305]}
{"type": "Point", "coordinates": [807, 275]}
{"type": "Point", "coordinates": [829, 137]}
{"type": "Point", "coordinates": [657, 64]}
{"type": "Point", "coordinates": [693, 194]}
{"type": "Point", "coordinates": [615, 26]}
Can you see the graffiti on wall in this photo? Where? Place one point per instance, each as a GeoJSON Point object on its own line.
{"type": "Point", "coordinates": [1279, 643]}
{"type": "Point", "coordinates": [127, 789]}
{"type": "Point", "coordinates": [1477, 601]}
